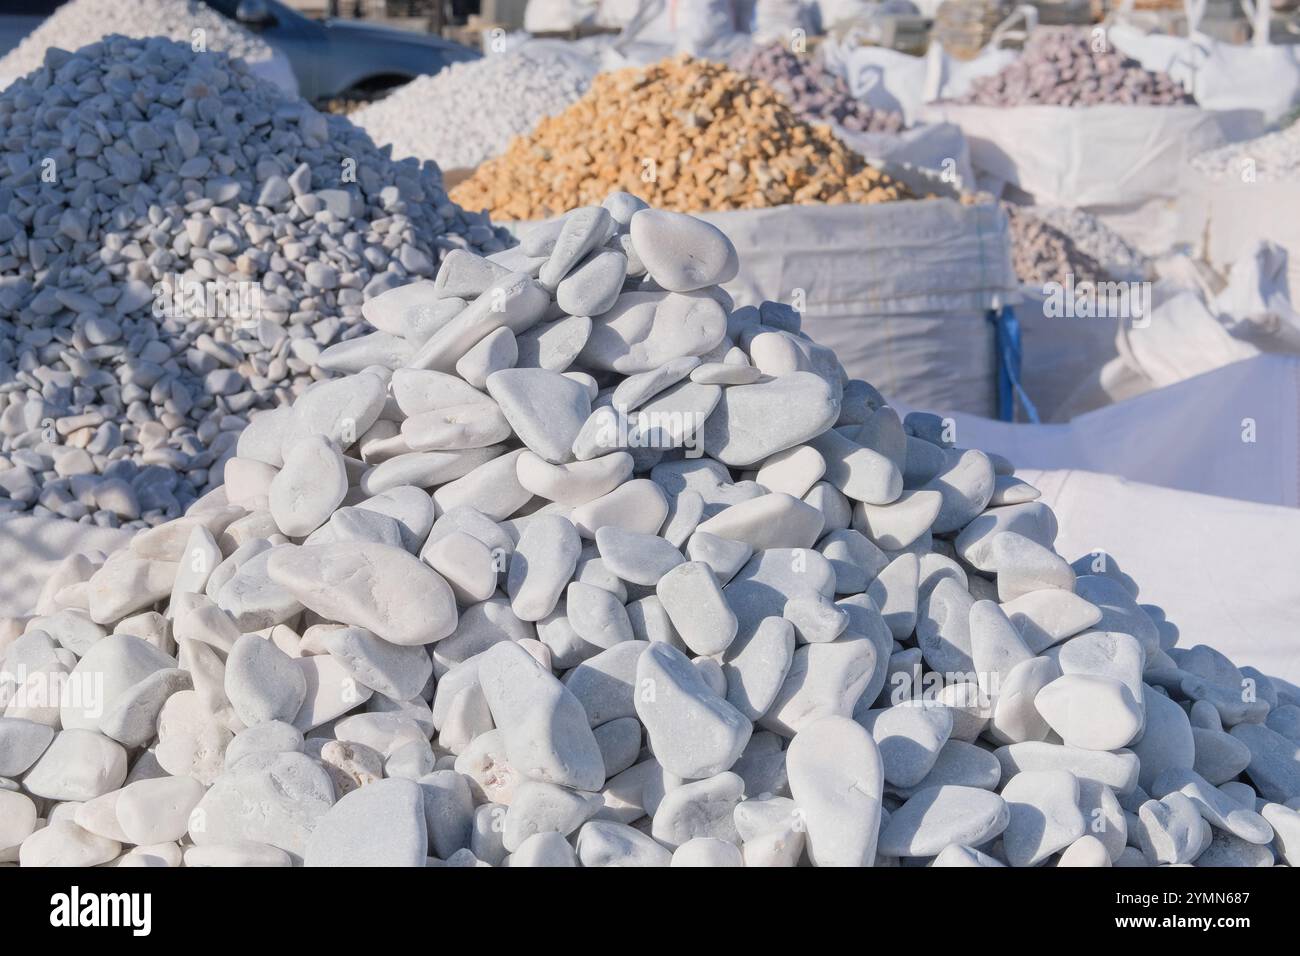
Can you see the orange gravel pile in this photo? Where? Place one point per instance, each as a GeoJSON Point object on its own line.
{"type": "Point", "coordinates": [683, 134]}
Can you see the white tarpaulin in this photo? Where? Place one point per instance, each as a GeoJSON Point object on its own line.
{"type": "Point", "coordinates": [1223, 571]}
{"type": "Point", "coordinates": [900, 291]}
{"type": "Point", "coordinates": [1233, 432]}
{"type": "Point", "coordinates": [1183, 340]}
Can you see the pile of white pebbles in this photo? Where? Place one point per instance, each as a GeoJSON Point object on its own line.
{"type": "Point", "coordinates": [584, 566]}
{"type": "Point", "coordinates": [179, 241]}
{"type": "Point", "coordinates": [81, 22]}
{"type": "Point", "coordinates": [469, 112]}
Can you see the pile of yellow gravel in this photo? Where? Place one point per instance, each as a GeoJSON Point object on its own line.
{"type": "Point", "coordinates": [683, 134]}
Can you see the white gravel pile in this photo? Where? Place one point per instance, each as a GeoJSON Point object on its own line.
{"type": "Point", "coordinates": [81, 22]}
{"type": "Point", "coordinates": [1274, 157]}
{"type": "Point", "coordinates": [469, 112]}
{"type": "Point", "coordinates": [178, 242]}
{"type": "Point", "coordinates": [658, 587]}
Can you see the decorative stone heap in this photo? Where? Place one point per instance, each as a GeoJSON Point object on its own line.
{"type": "Point", "coordinates": [178, 243]}
{"type": "Point", "coordinates": [685, 135]}
{"type": "Point", "coordinates": [1061, 67]}
{"type": "Point", "coordinates": [584, 566]}
{"type": "Point", "coordinates": [469, 112]}
{"type": "Point", "coordinates": [813, 91]}
{"type": "Point", "coordinates": [79, 23]}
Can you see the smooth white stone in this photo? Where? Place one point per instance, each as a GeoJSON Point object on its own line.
{"type": "Point", "coordinates": [695, 604]}
{"type": "Point", "coordinates": [793, 471]}
{"type": "Point", "coordinates": [466, 564]}
{"type": "Point", "coordinates": [682, 253]}
{"type": "Point", "coordinates": [496, 351]}
{"type": "Point", "coordinates": [896, 525]}
{"type": "Point", "coordinates": [1049, 616]}
{"type": "Point", "coordinates": [541, 566]}
{"type": "Point", "coordinates": [545, 729]}
{"type": "Point", "coordinates": [824, 680]}
{"type": "Point", "coordinates": [943, 816]}
{"type": "Point", "coordinates": [1094, 713]}
{"type": "Point", "coordinates": [380, 588]}
{"type": "Point", "coordinates": [772, 521]}
{"type": "Point", "coordinates": [699, 809]}
{"type": "Point", "coordinates": [1045, 816]}
{"type": "Point", "coordinates": [693, 732]}
{"type": "Point", "coordinates": [636, 505]}
{"type": "Point", "coordinates": [636, 557]}
{"type": "Point", "coordinates": [862, 474]}
{"type": "Point", "coordinates": [574, 483]}
{"type": "Point", "coordinates": [754, 422]}
{"type": "Point", "coordinates": [836, 778]}
{"type": "Point", "coordinates": [606, 843]}
{"type": "Point", "coordinates": [455, 427]}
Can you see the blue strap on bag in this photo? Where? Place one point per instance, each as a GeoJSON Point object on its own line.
{"type": "Point", "coordinates": [1006, 329]}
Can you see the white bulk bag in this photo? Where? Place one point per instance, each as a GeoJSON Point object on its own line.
{"type": "Point", "coordinates": [1119, 162]}
{"type": "Point", "coordinates": [900, 291]}
{"type": "Point", "coordinates": [1184, 339]}
{"type": "Point", "coordinates": [775, 21]}
{"type": "Point", "coordinates": [1108, 155]}
{"type": "Point", "coordinates": [616, 14]}
{"type": "Point", "coordinates": [1233, 432]}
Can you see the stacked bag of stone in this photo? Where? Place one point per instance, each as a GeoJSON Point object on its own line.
{"type": "Point", "coordinates": [1072, 85]}
{"type": "Point", "coordinates": [581, 566]}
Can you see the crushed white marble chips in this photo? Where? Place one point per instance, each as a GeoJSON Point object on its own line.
{"type": "Point", "coordinates": [181, 244]}
{"type": "Point", "coordinates": [469, 112]}
{"type": "Point", "coordinates": [81, 22]}
{"type": "Point", "coordinates": [572, 604]}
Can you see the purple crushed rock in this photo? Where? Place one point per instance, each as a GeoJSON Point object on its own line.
{"type": "Point", "coordinates": [813, 91]}
{"type": "Point", "coordinates": [1060, 68]}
